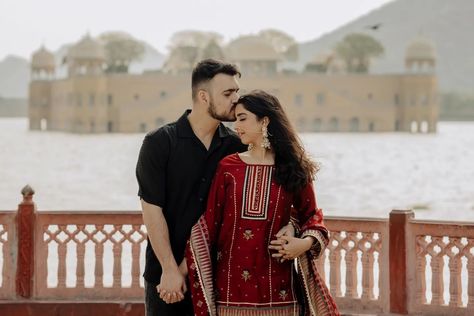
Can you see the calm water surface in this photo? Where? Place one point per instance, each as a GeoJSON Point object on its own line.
{"type": "Point", "coordinates": [361, 174]}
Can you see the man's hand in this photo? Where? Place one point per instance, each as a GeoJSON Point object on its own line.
{"type": "Point", "coordinates": [183, 268]}
{"type": "Point", "coordinates": [172, 286]}
{"type": "Point", "coordinates": [276, 244]}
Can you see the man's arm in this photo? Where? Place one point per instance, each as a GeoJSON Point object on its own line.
{"type": "Point", "coordinates": [172, 285]}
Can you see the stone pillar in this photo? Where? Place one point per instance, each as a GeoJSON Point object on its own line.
{"type": "Point", "coordinates": [398, 225]}
{"type": "Point", "coordinates": [25, 221]}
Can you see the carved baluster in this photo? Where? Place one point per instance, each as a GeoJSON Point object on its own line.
{"type": "Point", "coordinates": [62, 253]}
{"type": "Point", "coordinates": [117, 251]}
{"type": "Point", "coordinates": [4, 246]}
{"type": "Point", "coordinates": [470, 276]}
{"type": "Point", "coordinates": [99, 256]}
{"type": "Point", "coordinates": [378, 249]}
{"type": "Point", "coordinates": [437, 265]}
{"type": "Point", "coordinates": [455, 264]}
{"type": "Point", "coordinates": [351, 265]}
{"type": "Point", "coordinates": [321, 265]}
{"type": "Point", "coordinates": [335, 266]}
{"type": "Point", "coordinates": [81, 250]}
{"type": "Point", "coordinates": [62, 250]}
{"type": "Point", "coordinates": [421, 270]}
{"type": "Point", "coordinates": [367, 267]}
{"type": "Point", "coordinates": [135, 257]}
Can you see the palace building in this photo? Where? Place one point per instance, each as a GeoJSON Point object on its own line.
{"type": "Point", "coordinates": [88, 100]}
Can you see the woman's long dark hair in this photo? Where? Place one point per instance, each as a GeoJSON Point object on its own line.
{"type": "Point", "coordinates": [293, 168]}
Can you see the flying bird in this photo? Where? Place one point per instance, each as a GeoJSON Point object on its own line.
{"type": "Point", "coordinates": [374, 27]}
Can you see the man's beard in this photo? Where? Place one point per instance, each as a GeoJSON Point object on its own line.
{"type": "Point", "coordinates": [227, 117]}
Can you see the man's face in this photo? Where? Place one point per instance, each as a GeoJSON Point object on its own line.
{"type": "Point", "coordinates": [223, 95]}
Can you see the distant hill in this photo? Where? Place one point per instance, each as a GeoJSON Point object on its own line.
{"type": "Point", "coordinates": [15, 71]}
{"type": "Point", "coordinates": [152, 60]}
{"type": "Point", "coordinates": [13, 107]}
{"type": "Point", "coordinates": [14, 77]}
{"type": "Point", "coordinates": [448, 24]}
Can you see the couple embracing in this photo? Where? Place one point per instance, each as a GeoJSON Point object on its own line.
{"type": "Point", "coordinates": [227, 212]}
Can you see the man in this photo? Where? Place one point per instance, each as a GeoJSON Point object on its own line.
{"type": "Point", "coordinates": [175, 168]}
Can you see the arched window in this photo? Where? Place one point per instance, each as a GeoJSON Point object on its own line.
{"type": "Point", "coordinates": [43, 124]}
{"type": "Point", "coordinates": [301, 124]}
{"type": "Point", "coordinates": [414, 127]}
{"type": "Point", "coordinates": [334, 125]}
{"type": "Point", "coordinates": [397, 125]}
{"type": "Point", "coordinates": [424, 127]}
{"type": "Point", "coordinates": [316, 125]}
{"type": "Point", "coordinates": [371, 126]}
{"type": "Point", "coordinates": [354, 124]}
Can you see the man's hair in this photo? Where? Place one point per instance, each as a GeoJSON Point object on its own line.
{"type": "Point", "coordinates": [207, 69]}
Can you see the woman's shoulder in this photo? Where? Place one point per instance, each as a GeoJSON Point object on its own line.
{"type": "Point", "coordinates": [230, 160]}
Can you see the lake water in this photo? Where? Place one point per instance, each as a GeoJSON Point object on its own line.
{"type": "Point", "coordinates": [363, 175]}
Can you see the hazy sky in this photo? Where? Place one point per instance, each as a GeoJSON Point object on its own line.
{"type": "Point", "coordinates": [26, 24]}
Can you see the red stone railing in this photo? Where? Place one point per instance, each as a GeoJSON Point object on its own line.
{"type": "Point", "coordinates": [93, 261]}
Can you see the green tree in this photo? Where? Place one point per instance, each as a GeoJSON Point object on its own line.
{"type": "Point", "coordinates": [121, 49]}
{"type": "Point", "coordinates": [212, 50]}
{"type": "Point", "coordinates": [187, 46]}
{"type": "Point", "coordinates": [192, 38]}
{"type": "Point", "coordinates": [283, 43]}
{"type": "Point", "coordinates": [357, 49]}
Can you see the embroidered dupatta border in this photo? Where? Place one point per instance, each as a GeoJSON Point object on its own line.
{"type": "Point", "coordinates": [318, 299]}
{"type": "Point", "coordinates": [202, 260]}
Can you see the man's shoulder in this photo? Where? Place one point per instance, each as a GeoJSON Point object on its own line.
{"type": "Point", "coordinates": [164, 132]}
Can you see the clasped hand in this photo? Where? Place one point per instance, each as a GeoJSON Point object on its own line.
{"type": "Point", "coordinates": [172, 285]}
{"type": "Point", "coordinates": [287, 246]}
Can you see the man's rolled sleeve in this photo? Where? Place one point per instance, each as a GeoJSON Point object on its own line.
{"type": "Point", "coordinates": [151, 169]}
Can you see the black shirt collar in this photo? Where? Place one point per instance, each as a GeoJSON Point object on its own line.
{"type": "Point", "coordinates": [186, 131]}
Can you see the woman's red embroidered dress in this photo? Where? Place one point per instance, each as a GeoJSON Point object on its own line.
{"type": "Point", "coordinates": [230, 267]}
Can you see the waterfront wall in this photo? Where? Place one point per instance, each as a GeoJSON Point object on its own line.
{"type": "Point", "coordinates": [82, 262]}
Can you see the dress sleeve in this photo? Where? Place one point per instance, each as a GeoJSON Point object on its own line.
{"type": "Point", "coordinates": [200, 250]}
{"type": "Point", "coordinates": [310, 219]}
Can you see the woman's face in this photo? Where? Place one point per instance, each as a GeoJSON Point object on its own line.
{"type": "Point", "coordinates": [247, 126]}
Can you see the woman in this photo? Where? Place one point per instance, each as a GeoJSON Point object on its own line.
{"type": "Point", "coordinates": [232, 268]}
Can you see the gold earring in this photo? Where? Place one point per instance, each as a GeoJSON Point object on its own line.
{"type": "Point", "coordinates": [250, 147]}
{"type": "Point", "coordinates": [265, 142]}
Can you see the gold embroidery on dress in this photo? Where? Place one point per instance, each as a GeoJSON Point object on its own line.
{"type": "Point", "coordinates": [248, 234]}
{"type": "Point", "coordinates": [256, 192]}
{"type": "Point", "coordinates": [283, 294]}
{"type": "Point", "coordinates": [246, 275]}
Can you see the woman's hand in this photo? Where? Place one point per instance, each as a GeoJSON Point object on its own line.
{"type": "Point", "coordinates": [293, 247]}
{"type": "Point", "coordinates": [276, 244]}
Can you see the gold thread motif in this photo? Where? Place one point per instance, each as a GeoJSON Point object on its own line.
{"type": "Point", "coordinates": [248, 234]}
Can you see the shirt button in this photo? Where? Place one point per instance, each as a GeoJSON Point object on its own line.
{"type": "Point", "coordinates": [203, 179]}
{"type": "Point", "coordinates": [201, 199]}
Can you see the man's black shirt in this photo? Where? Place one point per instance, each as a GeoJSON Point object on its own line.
{"type": "Point", "coordinates": [174, 171]}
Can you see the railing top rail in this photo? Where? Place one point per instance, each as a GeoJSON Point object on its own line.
{"type": "Point", "coordinates": [349, 224]}
{"type": "Point", "coordinates": [7, 213]}
{"type": "Point", "coordinates": [87, 217]}
{"type": "Point", "coordinates": [89, 212]}
{"type": "Point", "coordinates": [355, 219]}
{"type": "Point", "coordinates": [438, 222]}
{"type": "Point", "coordinates": [437, 228]}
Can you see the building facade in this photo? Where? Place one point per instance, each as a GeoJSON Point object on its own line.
{"type": "Point", "coordinates": [90, 101]}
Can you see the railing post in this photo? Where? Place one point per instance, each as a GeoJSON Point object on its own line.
{"type": "Point", "coordinates": [25, 221]}
{"type": "Point", "coordinates": [398, 252]}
